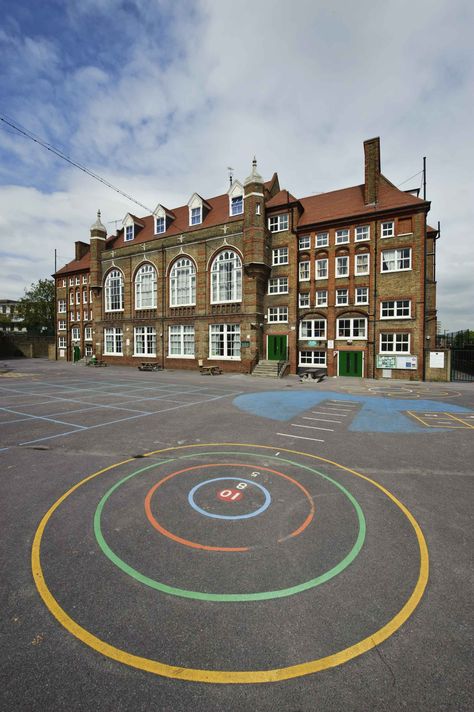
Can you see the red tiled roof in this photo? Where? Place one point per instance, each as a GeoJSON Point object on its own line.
{"type": "Point", "coordinates": [217, 215]}
{"type": "Point", "coordinates": [349, 202]}
{"type": "Point", "coordinates": [283, 197]}
{"type": "Point", "coordinates": [76, 265]}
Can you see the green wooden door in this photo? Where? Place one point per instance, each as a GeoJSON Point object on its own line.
{"type": "Point", "coordinates": [350, 363]}
{"type": "Point", "coordinates": [276, 348]}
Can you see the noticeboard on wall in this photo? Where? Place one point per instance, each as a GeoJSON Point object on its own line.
{"type": "Point", "coordinates": [399, 362]}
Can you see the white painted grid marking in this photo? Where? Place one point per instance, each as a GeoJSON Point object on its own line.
{"type": "Point", "coordinates": [300, 437]}
{"type": "Point", "coordinates": [311, 427]}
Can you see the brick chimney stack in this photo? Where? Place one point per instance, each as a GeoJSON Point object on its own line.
{"type": "Point", "coordinates": [98, 237]}
{"type": "Point", "coordinates": [82, 248]}
{"type": "Point", "coordinates": [372, 170]}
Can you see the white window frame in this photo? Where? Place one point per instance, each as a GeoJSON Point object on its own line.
{"type": "Point", "coordinates": [304, 242]}
{"type": "Point", "coordinates": [358, 299]}
{"type": "Point", "coordinates": [146, 287]}
{"type": "Point", "coordinates": [279, 256]}
{"type": "Point", "coordinates": [88, 350]}
{"type": "Point", "coordinates": [230, 341]}
{"type": "Point", "coordinates": [61, 342]}
{"type": "Point", "coordinates": [386, 337]}
{"type": "Point", "coordinates": [88, 333]}
{"type": "Point", "coordinates": [182, 338]}
{"type": "Point", "coordinates": [226, 278]}
{"type": "Point", "coordinates": [312, 358]}
{"type": "Point", "coordinates": [236, 201]}
{"type": "Point", "coordinates": [303, 300]}
{"type": "Point", "coordinates": [321, 297]}
{"type": "Point", "coordinates": [129, 233]}
{"type": "Point", "coordinates": [278, 285]}
{"type": "Point", "coordinates": [71, 298]}
{"type": "Point", "coordinates": [77, 280]}
{"type": "Point", "coordinates": [387, 229]}
{"type": "Point", "coordinates": [114, 291]}
{"type": "Point", "coordinates": [63, 282]}
{"type": "Point", "coordinates": [362, 233]}
{"type": "Point", "coordinates": [71, 281]}
{"type": "Point", "coordinates": [277, 315]}
{"type": "Point", "coordinates": [322, 239]}
{"type": "Point", "coordinates": [342, 236]}
{"type": "Point", "coordinates": [78, 296]}
{"type": "Point", "coordinates": [304, 270]}
{"type": "Point", "coordinates": [160, 224]}
{"type": "Point", "coordinates": [342, 297]}
{"type": "Point", "coordinates": [339, 261]}
{"type": "Point", "coordinates": [183, 283]}
{"type": "Point", "coordinates": [144, 336]}
{"type": "Point", "coordinates": [62, 325]}
{"type": "Point", "coordinates": [398, 306]}
{"type": "Point", "coordinates": [352, 329]}
{"type": "Point", "coordinates": [61, 306]}
{"type": "Point", "coordinates": [75, 333]}
{"type": "Point", "coordinates": [357, 269]}
{"type": "Point", "coordinates": [396, 257]}
{"type": "Point", "coordinates": [195, 215]}
{"type": "Point", "coordinates": [278, 223]}
{"type": "Point", "coordinates": [313, 332]}
{"type": "Point", "coordinates": [322, 262]}
{"type": "Point", "coordinates": [84, 296]}
{"type": "Point", "coordinates": [114, 336]}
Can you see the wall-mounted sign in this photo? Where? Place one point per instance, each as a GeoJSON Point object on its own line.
{"type": "Point", "coordinates": [312, 343]}
{"type": "Point", "coordinates": [386, 361]}
{"type": "Point", "coordinates": [436, 359]}
{"type": "Point", "coordinates": [245, 344]}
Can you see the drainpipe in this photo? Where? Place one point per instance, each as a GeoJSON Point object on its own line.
{"type": "Point", "coordinates": [374, 338]}
{"type": "Point", "coordinates": [163, 294]}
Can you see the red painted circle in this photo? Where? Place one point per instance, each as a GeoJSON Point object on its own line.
{"type": "Point", "coordinates": [196, 545]}
{"type": "Point", "coordinates": [230, 495]}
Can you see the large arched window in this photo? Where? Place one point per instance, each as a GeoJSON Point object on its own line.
{"type": "Point", "coordinates": [226, 278]}
{"type": "Point", "coordinates": [183, 283]}
{"type": "Point", "coordinates": [145, 287]}
{"type": "Point", "coordinates": [114, 291]}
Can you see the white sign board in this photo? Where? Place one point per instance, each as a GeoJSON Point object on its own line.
{"type": "Point", "coordinates": [436, 359]}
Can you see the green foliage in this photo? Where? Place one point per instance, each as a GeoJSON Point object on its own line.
{"type": "Point", "coordinates": [37, 307]}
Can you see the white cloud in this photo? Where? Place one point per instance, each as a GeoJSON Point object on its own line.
{"type": "Point", "coordinates": [205, 85]}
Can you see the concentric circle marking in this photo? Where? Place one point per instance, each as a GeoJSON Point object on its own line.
{"type": "Point", "coordinates": [197, 545]}
{"type": "Point", "coordinates": [253, 596]}
{"type": "Point", "coordinates": [247, 515]}
{"type": "Point", "coordinates": [232, 676]}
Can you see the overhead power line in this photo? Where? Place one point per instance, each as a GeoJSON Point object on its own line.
{"type": "Point", "coordinates": [410, 178]}
{"type": "Point", "coordinates": [64, 157]}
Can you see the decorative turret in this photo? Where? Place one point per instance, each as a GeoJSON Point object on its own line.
{"type": "Point", "coordinates": [98, 237]}
{"type": "Point", "coordinates": [254, 177]}
{"type": "Point", "coordinates": [256, 249]}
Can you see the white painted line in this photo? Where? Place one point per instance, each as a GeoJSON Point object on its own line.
{"type": "Point", "coordinates": [319, 412]}
{"type": "Point", "coordinates": [345, 404]}
{"type": "Point", "coordinates": [300, 437]}
{"type": "Point", "coordinates": [324, 420]}
{"type": "Point", "coordinates": [312, 427]}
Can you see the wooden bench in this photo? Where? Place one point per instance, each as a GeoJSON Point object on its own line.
{"type": "Point", "coordinates": [149, 366]}
{"type": "Point", "coordinates": [210, 370]}
{"type": "Point", "coordinates": [318, 374]}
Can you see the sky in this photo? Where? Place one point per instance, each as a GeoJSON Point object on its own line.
{"type": "Point", "coordinates": [159, 97]}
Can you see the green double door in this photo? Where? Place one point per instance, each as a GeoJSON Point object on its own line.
{"type": "Point", "coordinates": [350, 363]}
{"type": "Point", "coordinates": [276, 347]}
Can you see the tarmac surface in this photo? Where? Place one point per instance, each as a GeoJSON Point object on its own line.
{"type": "Point", "coordinates": [178, 542]}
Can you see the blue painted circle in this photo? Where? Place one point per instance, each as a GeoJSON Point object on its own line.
{"type": "Point", "coordinates": [261, 509]}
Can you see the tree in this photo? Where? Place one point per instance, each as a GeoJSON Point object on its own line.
{"type": "Point", "coordinates": [37, 307]}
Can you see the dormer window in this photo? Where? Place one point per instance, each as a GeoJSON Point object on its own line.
{"type": "Point", "coordinates": [160, 225]}
{"type": "Point", "coordinates": [237, 205]}
{"type": "Point", "coordinates": [163, 219]}
{"type": "Point", "coordinates": [196, 216]}
{"type": "Point", "coordinates": [236, 198]}
{"type": "Point", "coordinates": [129, 233]}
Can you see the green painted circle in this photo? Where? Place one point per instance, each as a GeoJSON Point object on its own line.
{"type": "Point", "coordinates": [226, 597]}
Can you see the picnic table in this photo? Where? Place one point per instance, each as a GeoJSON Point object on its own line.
{"type": "Point", "coordinates": [95, 362]}
{"type": "Point", "coordinates": [210, 370]}
{"type": "Point", "coordinates": [318, 374]}
{"type": "Point", "coordinates": [149, 366]}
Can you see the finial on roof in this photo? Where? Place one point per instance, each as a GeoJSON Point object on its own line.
{"type": "Point", "coordinates": [98, 225]}
{"type": "Point", "coordinates": [254, 177]}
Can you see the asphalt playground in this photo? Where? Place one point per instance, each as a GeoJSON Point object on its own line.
{"type": "Point", "coordinates": [178, 542]}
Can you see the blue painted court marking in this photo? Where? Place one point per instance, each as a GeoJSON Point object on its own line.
{"type": "Point", "coordinates": [376, 414]}
{"type": "Point", "coordinates": [258, 511]}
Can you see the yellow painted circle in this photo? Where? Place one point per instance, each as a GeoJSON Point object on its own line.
{"type": "Point", "coordinates": [231, 676]}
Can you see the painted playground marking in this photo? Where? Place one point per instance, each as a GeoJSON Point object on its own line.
{"type": "Point", "coordinates": [233, 676]}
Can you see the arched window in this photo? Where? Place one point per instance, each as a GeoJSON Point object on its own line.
{"type": "Point", "coordinates": [145, 287]}
{"type": "Point", "coordinates": [226, 278]}
{"type": "Point", "coordinates": [183, 283]}
{"type": "Point", "coordinates": [114, 291]}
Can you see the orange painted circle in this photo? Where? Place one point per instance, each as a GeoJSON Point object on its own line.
{"type": "Point", "coordinates": [196, 545]}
